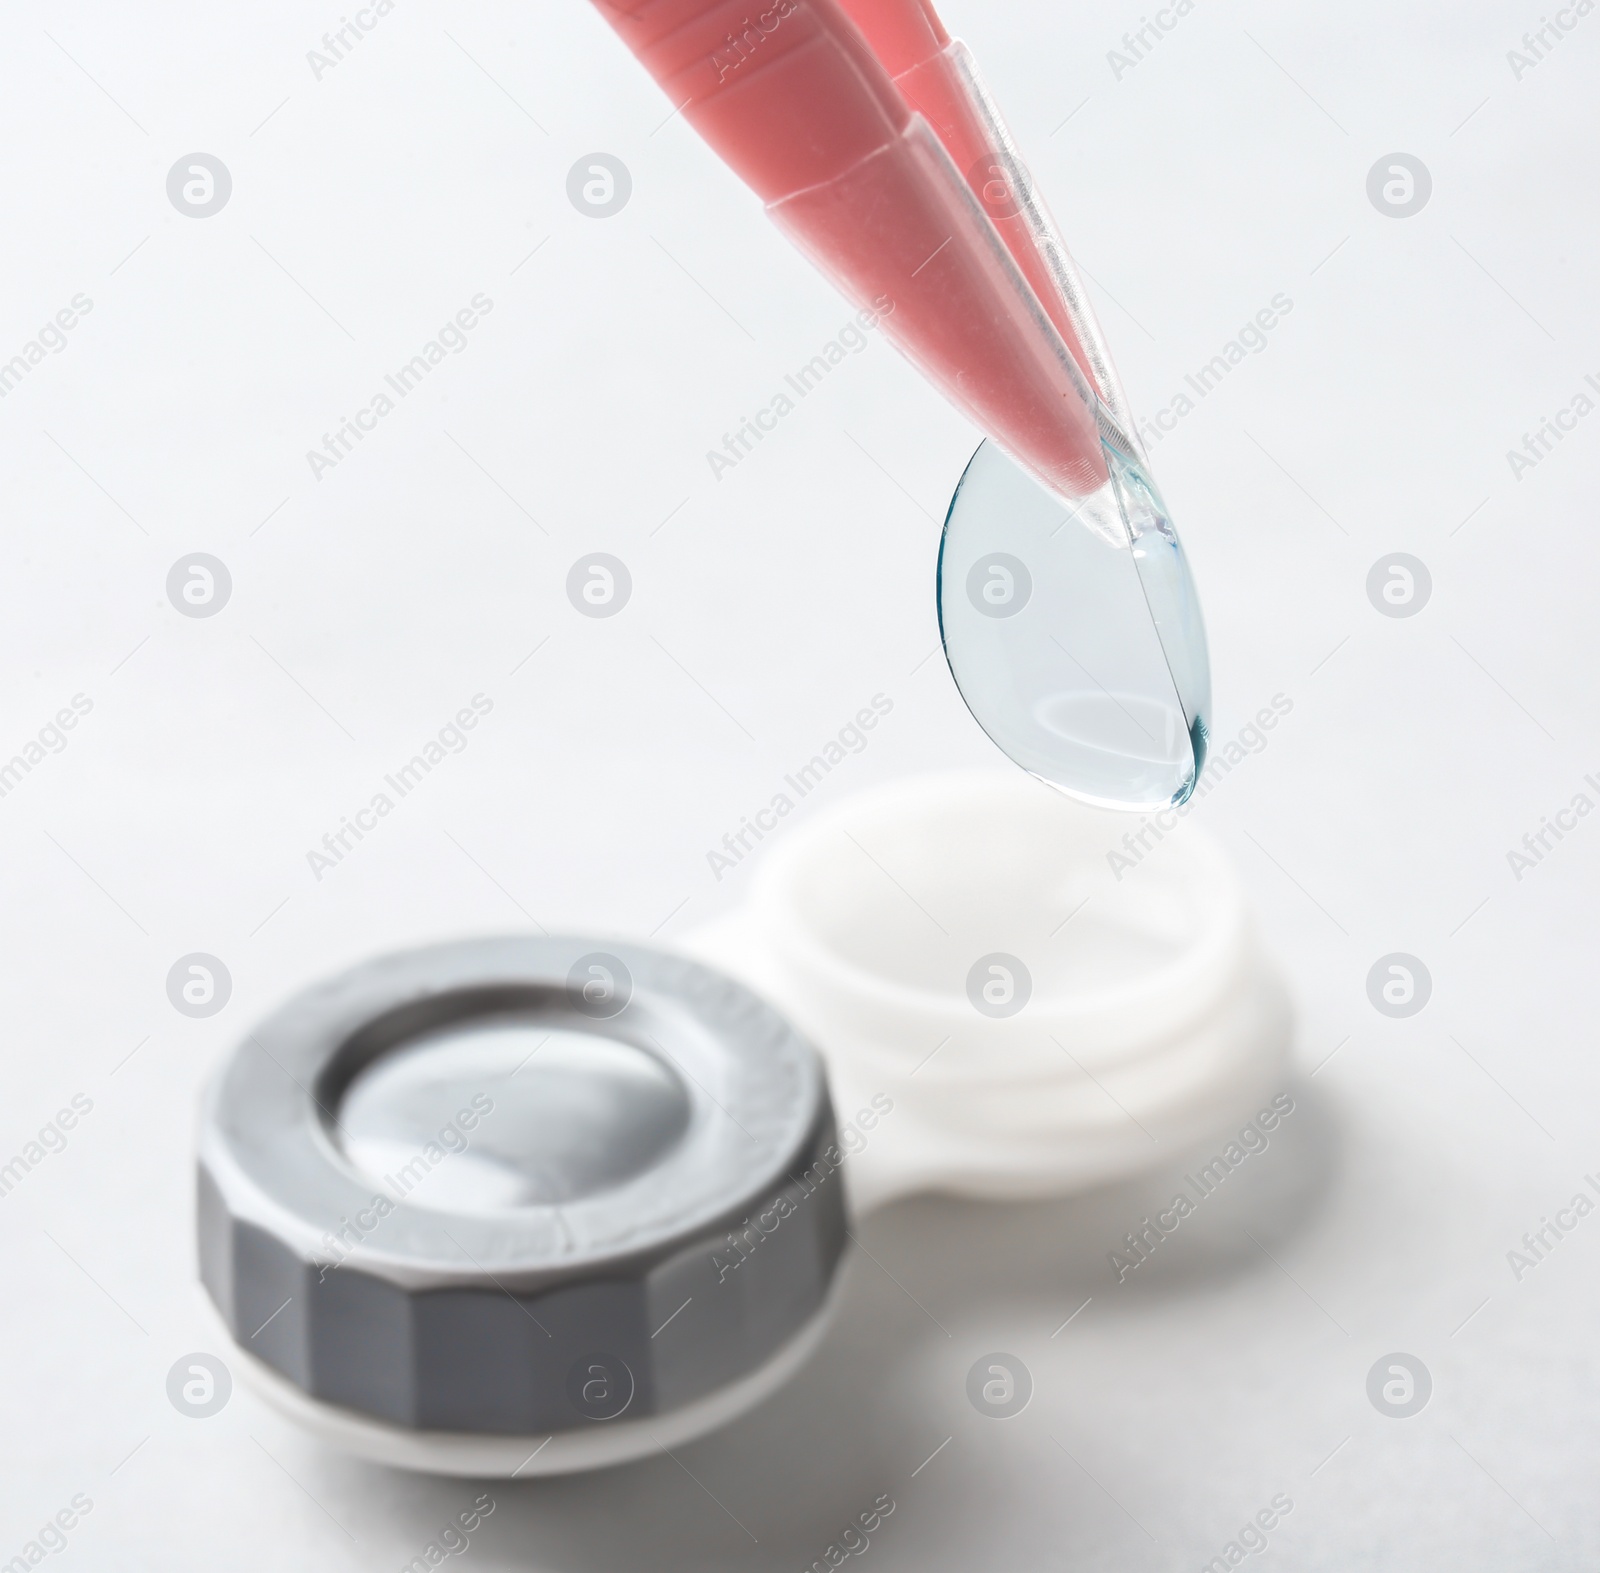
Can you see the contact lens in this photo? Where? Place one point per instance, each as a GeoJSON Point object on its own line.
{"type": "Point", "coordinates": [1073, 630]}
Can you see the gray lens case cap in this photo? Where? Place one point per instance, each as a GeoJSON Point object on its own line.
{"type": "Point", "coordinates": [463, 1188]}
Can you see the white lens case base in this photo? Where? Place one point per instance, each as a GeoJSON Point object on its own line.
{"type": "Point", "coordinates": [1131, 1010]}
{"type": "Point", "coordinates": [518, 1207]}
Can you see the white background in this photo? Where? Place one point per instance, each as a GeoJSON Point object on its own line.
{"type": "Point", "coordinates": [369, 605]}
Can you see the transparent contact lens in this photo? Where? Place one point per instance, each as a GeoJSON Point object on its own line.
{"type": "Point", "coordinates": [1073, 630]}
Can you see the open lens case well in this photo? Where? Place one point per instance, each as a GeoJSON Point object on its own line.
{"type": "Point", "coordinates": [527, 1206]}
